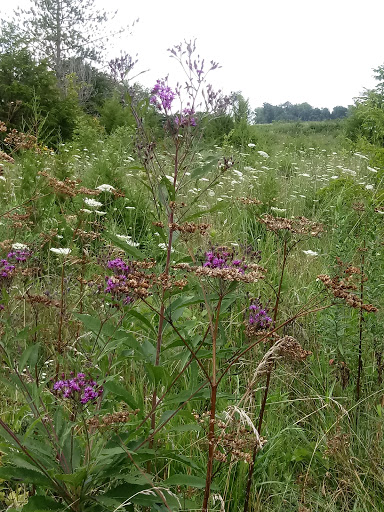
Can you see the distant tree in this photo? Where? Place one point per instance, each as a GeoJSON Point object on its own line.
{"type": "Point", "coordinates": [268, 112]}
{"type": "Point", "coordinates": [339, 112]}
{"type": "Point", "coordinates": [61, 30]}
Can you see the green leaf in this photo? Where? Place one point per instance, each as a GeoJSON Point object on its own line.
{"type": "Point", "coordinates": [121, 392]}
{"type": "Point", "coordinates": [158, 374]}
{"type": "Point", "coordinates": [169, 187]}
{"type": "Point", "coordinates": [29, 355]}
{"type": "Point", "coordinates": [42, 504]}
{"type": "Point", "coordinates": [25, 476]}
{"type": "Point", "coordinates": [132, 251]}
{"type": "Point", "coordinates": [76, 478]}
{"type": "Point", "coordinates": [188, 480]}
{"type": "Point", "coordinates": [190, 427]}
{"type": "Point", "coordinates": [142, 319]}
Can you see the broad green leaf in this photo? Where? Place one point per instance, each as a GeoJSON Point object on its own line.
{"type": "Point", "coordinates": [42, 504]}
{"type": "Point", "coordinates": [25, 476]}
{"type": "Point", "coordinates": [191, 427]}
{"type": "Point", "coordinates": [158, 374]}
{"type": "Point", "coordinates": [76, 478]}
{"type": "Point", "coordinates": [121, 392]}
{"type": "Point", "coordinates": [188, 480]}
{"type": "Point", "coordinates": [142, 319]}
{"type": "Point", "coordinates": [132, 251]}
{"type": "Point", "coordinates": [29, 355]}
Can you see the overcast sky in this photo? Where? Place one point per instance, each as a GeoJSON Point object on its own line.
{"type": "Point", "coordinates": [319, 51]}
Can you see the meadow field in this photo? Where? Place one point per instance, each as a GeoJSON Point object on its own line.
{"type": "Point", "coordinates": [190, 324]}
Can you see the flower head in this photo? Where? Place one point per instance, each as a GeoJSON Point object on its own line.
{"type": "Point", "coordinates": [105, 188]}
{"type": "Point", "coordinates": [78, 388]}
{"type": "Point", "coordinates": [162, 95]}
{"type": "Point", "coordinates": [61, 251]}
{"type": "Point", "coordinates": [92, 203]}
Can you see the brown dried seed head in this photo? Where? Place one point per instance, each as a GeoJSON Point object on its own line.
{"type": "Point", "coordinates": [297, 225]}
{"type": "Point", "coordinates": [249, 200]}
{"type": "Point", "coordinates": [6, 158]}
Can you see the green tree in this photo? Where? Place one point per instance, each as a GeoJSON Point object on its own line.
{"type": "Point", "coordinates": [30, 99]}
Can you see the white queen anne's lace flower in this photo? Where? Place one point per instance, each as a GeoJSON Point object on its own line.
{"type": "Point", "coordinates": [61, 251]}
{"type": "Point", "coordinates": [310, 253]}
{"type": "Point", "coordinates": [92, 203]}
{"type": "Point", "coordinates": [105, 188]}
{"type": "Point", "coordinates": [19, 247]}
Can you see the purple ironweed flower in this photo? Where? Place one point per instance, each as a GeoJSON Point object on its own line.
{"type": "Point", "coordinates": [6, 269]}
{"type": "Point", "coordinates": [78, 388]}
{"type": "Point", "coordinates": [115, 283]}
{"type": "Point", "coordinates": [258, 316]}
{"type": "Point", "coordinates": [118, 266]}
{"type": "Point", "coordinates": [223, 257]}
{"type": "Point", "coordinates": [186, 119]}
{"type": "Point", "coordinates": [19, 255]}
{"type": "Point", "coordinates": [162, 95]}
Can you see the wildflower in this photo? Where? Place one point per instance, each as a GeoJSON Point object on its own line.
{"type": "Point", "coordinates": [369, 187]}
{"type": "Point", "coordinates": [19, 255]}
{"type": "Point", "coordinates": [6, 269]}
{"type": "Point", "coordinates": [164, 247]}
{"type": "Point", "coordinates": [100, 213]}
{"type": "Point", "coordinates": [78, 388]}
{"type": "Point", "coordinates": [61, 251]}
{"type": "Point", "coordinates": [162, 95]}
{"type": "Point", "coordinates": [264, 154]}
{"type": "Point", "coordinates": [278, 210]}
{"type": "Point", "coordinates": [251, 145]}
{"type": "Point", "coordinates": [92, 203]}
{"type": "Point", "coordinates": [258, 316]}
{"type": "Point", "coordinates": [228, 264]}
{"type": "Point", "coordinates": [19, 247]}
{"type": "Point", "coordinates": [310, 253]}
{"type": "Point", "coordinates": [105, 188]}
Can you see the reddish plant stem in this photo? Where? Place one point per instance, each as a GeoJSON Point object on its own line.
{"type": "Point", "coordinates": [212, 417]}
{"type": "Point", "coordinates": [211, 447]}
{"type": "Point", "coordinates": [361, 321]}
{"type": "Point", "coordinates": [162, 307]}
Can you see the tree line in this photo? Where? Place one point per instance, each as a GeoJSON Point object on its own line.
{"type": "Point", "coordinates": [296, 112]}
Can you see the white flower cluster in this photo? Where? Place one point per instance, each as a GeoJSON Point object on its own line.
{"type": "Point", "coordinates": [105, 188]}
{"type": "Point", "coordinates": [61, 251]}
{"type": "Point", "coordinates": [92, 203]}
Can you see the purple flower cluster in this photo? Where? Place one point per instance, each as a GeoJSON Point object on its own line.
{"type": "Point", "coordinates": [8, 265]}
{"type": "Point", "coordinates": [118, 266]}
{"type": "Point", "coordinates": [223, 257]}
{"type": "Point", "coordinates": [19, 255]}
{"type": "Point", "coordinates": [6, 269]}
{"type": "Point", "coordinates": [258, 316]}
{"type": "Point", "coordinates": [115, 283]}
{"type": "Point", "coordinates": [78, 388]}
{"type": "Point", "coordinates": [186, 118]}
{"type": "Point", "coordinates": [162, 95]}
